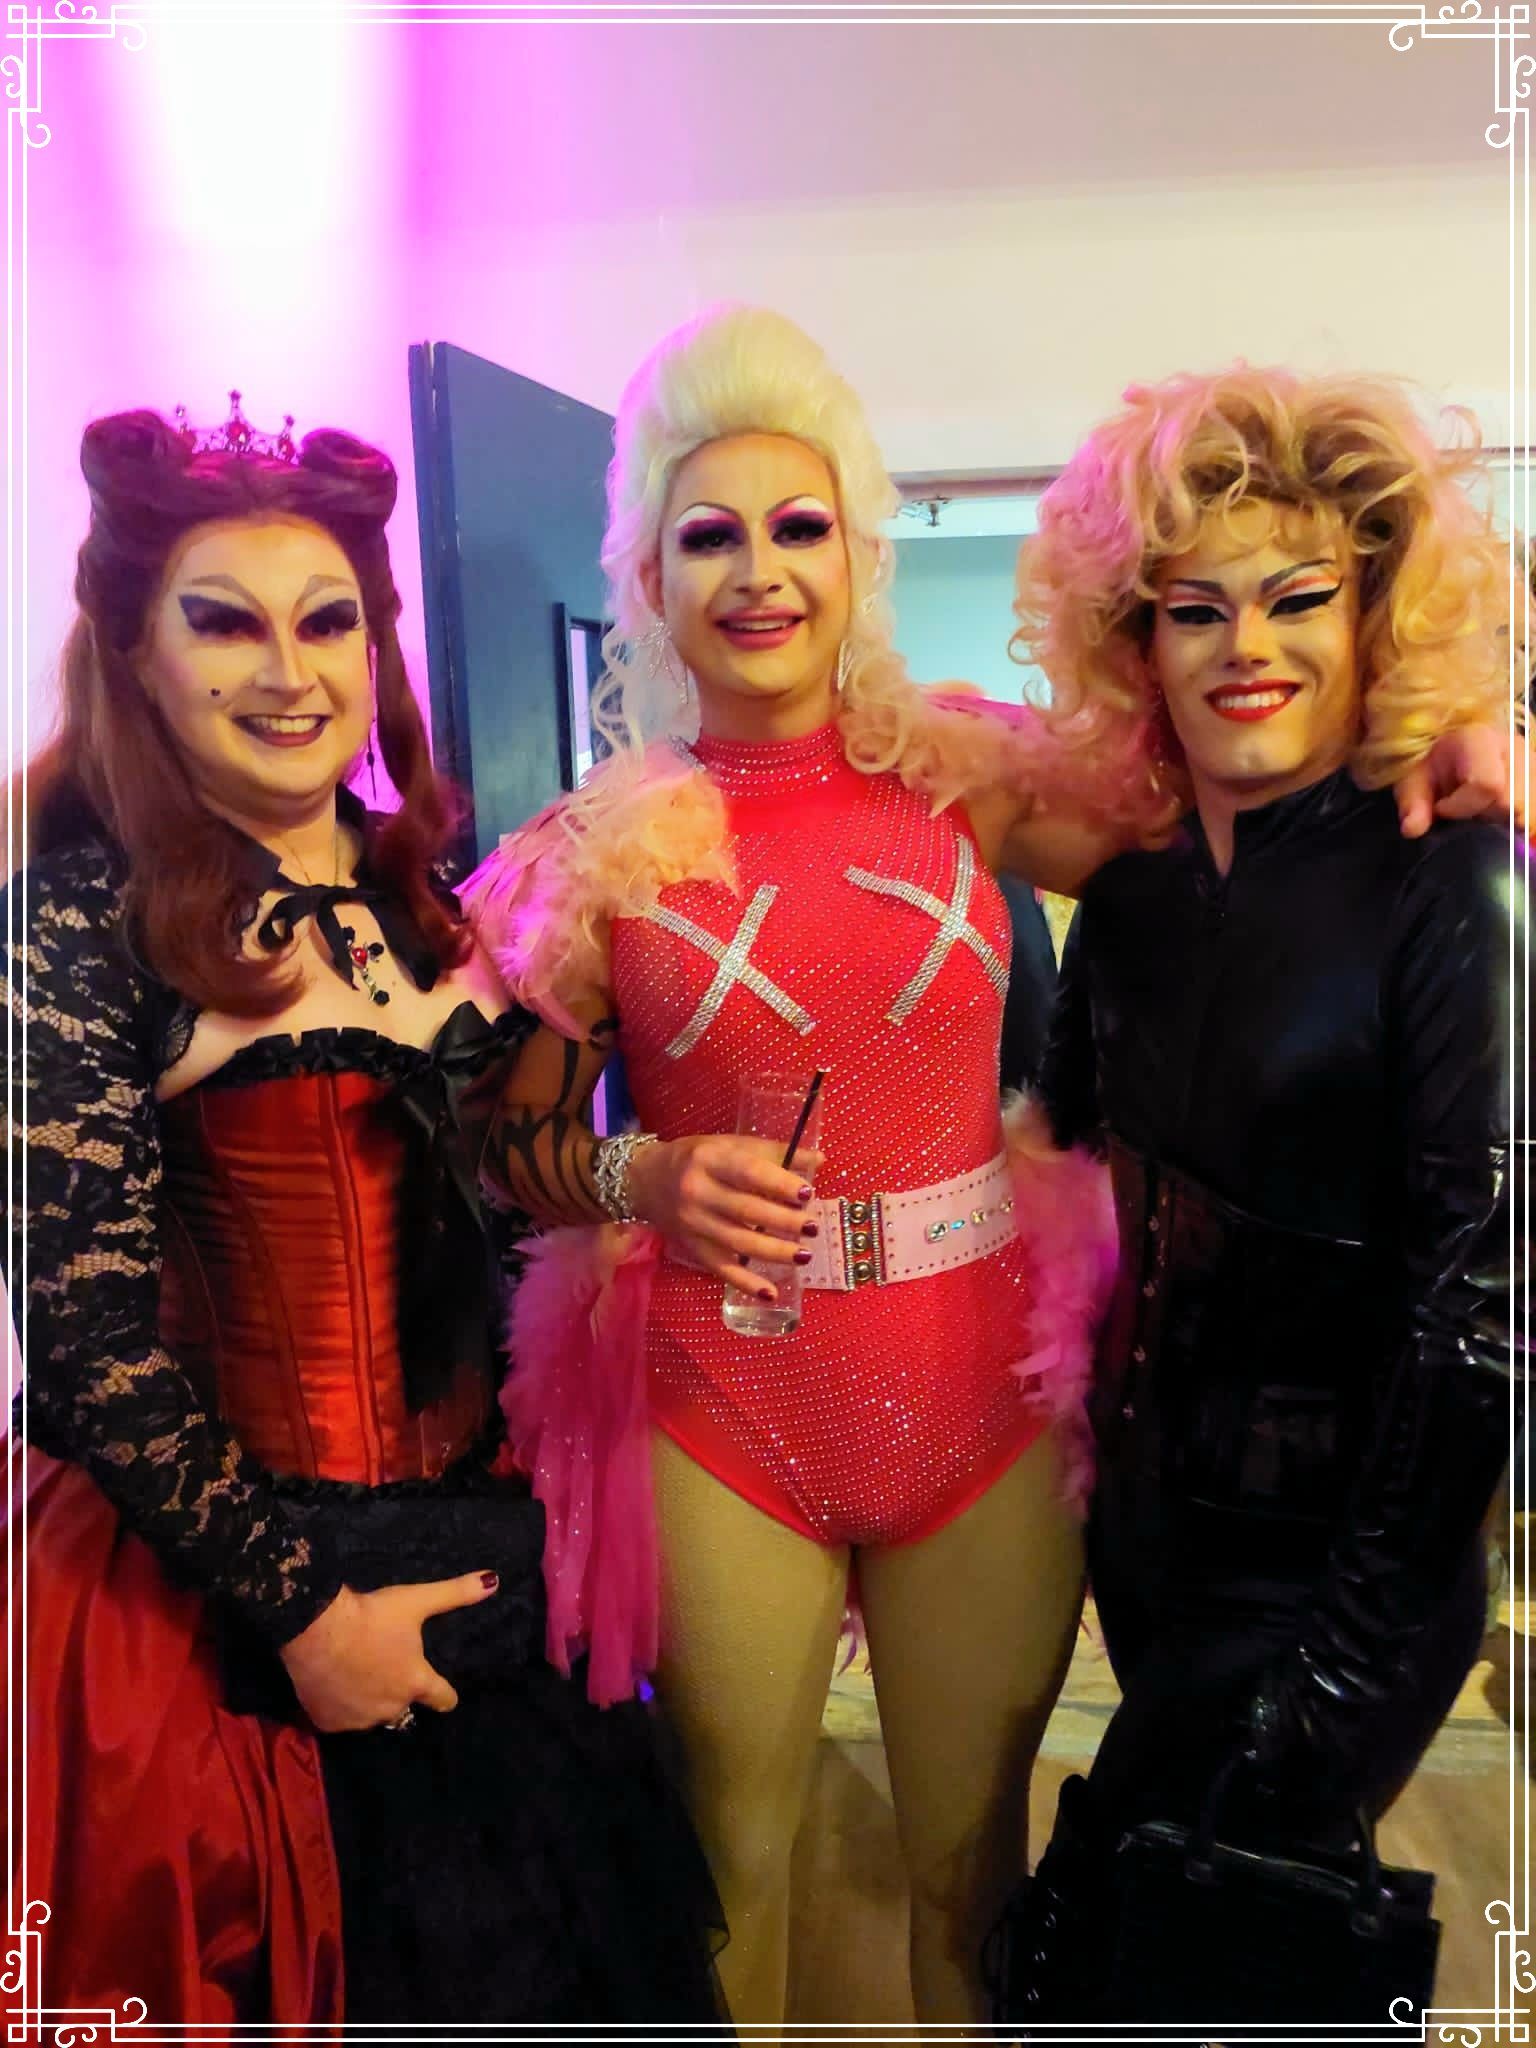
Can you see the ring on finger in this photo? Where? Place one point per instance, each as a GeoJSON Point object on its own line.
{"type": "Point", "coordinates": [406, 1718]}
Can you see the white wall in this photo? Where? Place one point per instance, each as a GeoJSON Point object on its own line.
{"type": "Point", "coordinates": [992, 229]}
{"type": "Point", "coordinates": [954, 612]}
{"type": "Point", "coordinates": [989, 333]}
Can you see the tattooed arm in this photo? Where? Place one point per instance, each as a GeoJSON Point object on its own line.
{"type": "Point", "coordinates": [719, 1199]}
{"type": "Point", "coordinates": [542, 1150]}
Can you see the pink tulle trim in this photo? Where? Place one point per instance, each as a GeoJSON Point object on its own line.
{"type": "Point", "coordinates": [577, 1423]}
{"type": "Point", "coordinates": [1066, 1217]}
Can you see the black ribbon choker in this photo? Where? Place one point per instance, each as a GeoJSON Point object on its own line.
{"type": "Point", "coordinates": [317, 900]}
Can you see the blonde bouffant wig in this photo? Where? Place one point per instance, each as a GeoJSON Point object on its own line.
{"type": "Point", "coordinates": [745, 370]}
{"type": "Point", "coordinates": [1351, 452]}
{"type": "Point", "coordinates": [733, 370]}
{"type": "Point", "coordinates": [643, 818]}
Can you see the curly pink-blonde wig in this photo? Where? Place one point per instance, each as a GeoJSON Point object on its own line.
{"type": "Point", "coordinates": [1352, 453]}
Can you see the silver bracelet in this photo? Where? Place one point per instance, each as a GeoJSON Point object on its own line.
{"type": "Point", "coordinates": [610, 1171]}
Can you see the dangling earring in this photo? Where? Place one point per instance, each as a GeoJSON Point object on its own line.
{"type": "Point", "coordinates": [373, 678]}
{"type": "Point", "coordinates": [1167, 754]}
{"type": "Point", "coordinates": [661, 659]}
{"type": "Point", "coordinates": [844, 664]}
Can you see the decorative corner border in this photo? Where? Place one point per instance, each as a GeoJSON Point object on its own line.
{"type": "Point", "coordinates": [29, 24]}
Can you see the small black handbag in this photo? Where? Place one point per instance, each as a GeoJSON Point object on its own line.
{"type": "Point", "coordinates": [1207, 1932]}
{"type": "Point", "coordinates": [408, 1535]}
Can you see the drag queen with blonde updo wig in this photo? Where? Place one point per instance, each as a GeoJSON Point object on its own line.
{"type": "Point", "coordinates": [1291, 1030]}
{"type": "Point", "coordinates": [786, 864]}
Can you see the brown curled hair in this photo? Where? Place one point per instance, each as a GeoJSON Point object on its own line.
{"type": "Point", "coordinates": [113, 766]}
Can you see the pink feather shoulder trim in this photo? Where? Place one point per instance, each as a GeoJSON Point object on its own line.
{"type": "Point", "coordinates": [1098, 766]}
{"type": "Point", "coordinates": [544, 899]}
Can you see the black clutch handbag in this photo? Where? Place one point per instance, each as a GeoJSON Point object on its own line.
{"type": "Point", "coordinates": [406, 1537]}
{"type": "Point", "coordinates": [1209, 1933]}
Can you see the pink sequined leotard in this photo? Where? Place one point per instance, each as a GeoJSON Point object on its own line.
{"type": "Point", "coordinates": [866, 938]}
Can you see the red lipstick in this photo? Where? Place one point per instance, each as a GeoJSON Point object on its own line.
{"type": "Point", "coordinates": [1249, 703]}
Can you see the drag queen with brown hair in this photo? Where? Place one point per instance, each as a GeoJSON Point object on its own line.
{"type": "Point", "coordinates": [787, 864]}
{"type": "Point", "coordinates": [293, 1752]}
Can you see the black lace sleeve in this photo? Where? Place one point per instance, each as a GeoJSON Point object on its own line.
{"type": "Point", "coordinates": [82, 1256]}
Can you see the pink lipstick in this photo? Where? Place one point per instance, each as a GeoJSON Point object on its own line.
{"type": "Point", "coordinates": [759, 629]}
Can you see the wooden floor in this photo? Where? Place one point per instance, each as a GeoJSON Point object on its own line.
{"type": "Point", "coordinates": [849, 1931]}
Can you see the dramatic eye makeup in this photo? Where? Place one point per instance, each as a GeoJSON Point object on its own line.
{"type": "Point", "coordinates": [705, 530]}
{"type": "Point", "coordinates": [1193, 611]}
{"type": "Point", "coordinates": [802, 523]}
{"type": "Point", "coordinates": [331, 621]}
{"type": "Point", "coordinates": [212, 619]}
{"type": "Point", "coordinates": [1305, 600]}
{"type": "Point", "coordinates": [1306, 588]}
{"type": "Point", "coordinates": [710, 530]}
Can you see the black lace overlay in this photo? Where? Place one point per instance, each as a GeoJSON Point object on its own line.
{"type": "Point", "coordinates": [82, 1251]}
{"type": "Point", "coordinates": [83, 1257]}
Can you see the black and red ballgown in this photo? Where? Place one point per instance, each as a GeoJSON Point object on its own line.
{"type": "Point", "coordinates": [256, 1331]}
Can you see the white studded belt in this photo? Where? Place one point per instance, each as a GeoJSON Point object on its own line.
{"type": "Point", "coordinates": [876, 1240]}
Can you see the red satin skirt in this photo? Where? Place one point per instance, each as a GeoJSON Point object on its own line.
{"type": "Point", "coordinates": [183, 1850]}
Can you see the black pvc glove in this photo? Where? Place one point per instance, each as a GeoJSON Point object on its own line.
{"type": "Point", "coordinates": [1435, 1462]}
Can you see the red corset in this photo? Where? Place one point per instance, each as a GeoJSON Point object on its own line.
{"type": "Point", "coordinates": [280, 1293]}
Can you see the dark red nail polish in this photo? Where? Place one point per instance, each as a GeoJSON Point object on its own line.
{"type": "Point", "coordinates": [490, 1581]}
{"type": "Point", "coordinates": [766, 1294]}
{"type": "Point", "coordinates": [802, 1258]}
{"type": "Point", "coordinates": [806, 1194]}
{"type": "Point", "coordinates": [810, 1230]}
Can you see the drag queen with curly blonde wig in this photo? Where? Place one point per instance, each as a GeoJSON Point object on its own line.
{"type": "Point", "coordinates": [1290, 1029]}
{"type": "Point", "coordinates": [1352, 454]}
{"type": "Point", "coordinates": [786, 865]}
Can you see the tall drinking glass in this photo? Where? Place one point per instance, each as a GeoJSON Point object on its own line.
{"type": "Point", "coordinates": [768, 1105]}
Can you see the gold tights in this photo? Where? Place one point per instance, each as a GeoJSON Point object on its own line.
{"type": "Point", "coordinates": [970, 1633]}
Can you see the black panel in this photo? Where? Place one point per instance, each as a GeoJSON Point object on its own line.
{"type": "Point", "coordinates": [510, 490]}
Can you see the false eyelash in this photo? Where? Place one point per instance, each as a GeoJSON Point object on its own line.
{"type": "Point", "coordinates": [802, 528]}
{"type": "Point", "coordinates": [703, 540]}
{"type": "Point", "coordinates": [1195, 614]}
{"type": "Point", "coordinates": [340, 616]}
{"type": "Point", "coordinates": [219, 621]}
{"type": "Point", "coordinates": [1300, 601]}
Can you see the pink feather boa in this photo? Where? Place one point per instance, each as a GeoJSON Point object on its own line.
{"type": "Point", "coordinates": [1065, 1211]}
{"type": "Point", "coordinates": [577, 1423]}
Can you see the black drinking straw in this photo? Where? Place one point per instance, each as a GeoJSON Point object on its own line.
{"type": "Point", "coordinates": [806, 1107]}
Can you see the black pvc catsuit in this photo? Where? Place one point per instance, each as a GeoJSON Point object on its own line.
{"type": "Point", "coordinates": [1301, 1072]}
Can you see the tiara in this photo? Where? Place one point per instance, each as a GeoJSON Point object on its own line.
{"type": "Point", "coordinates": [237, 436]}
